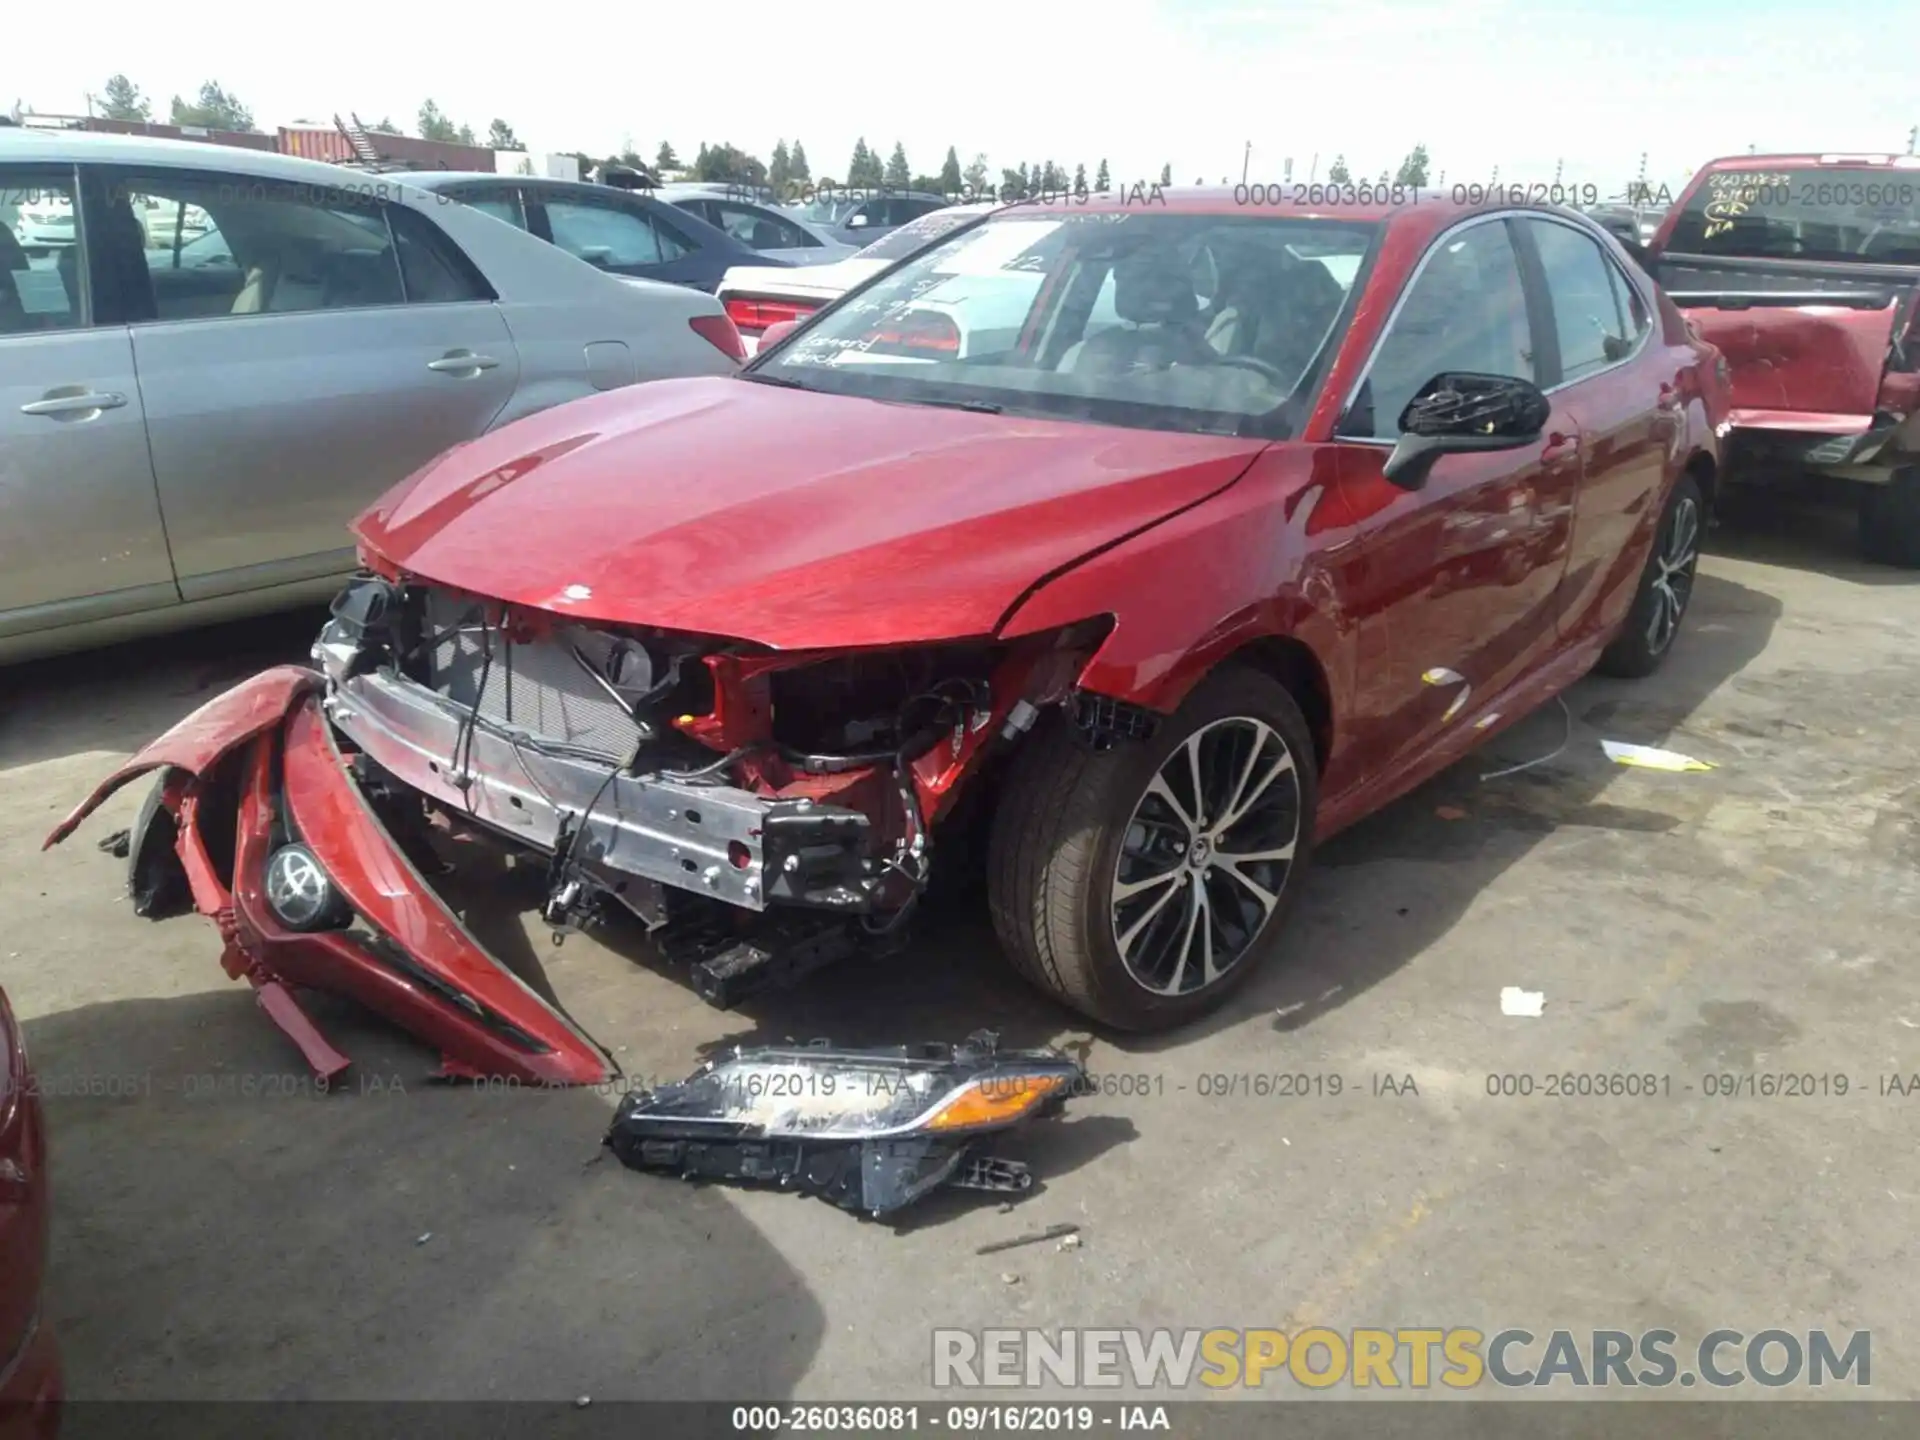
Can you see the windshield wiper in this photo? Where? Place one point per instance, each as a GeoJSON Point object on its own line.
{"type": "Point", "coordinates": [760, 378]}
{"type": "Point", "coordinates": [978, 407]}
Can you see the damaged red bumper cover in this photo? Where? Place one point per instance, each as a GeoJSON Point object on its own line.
{"type": "Point", "coordinates": [396, 948]}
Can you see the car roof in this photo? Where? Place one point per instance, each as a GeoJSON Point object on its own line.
{"type": "Point", "coordinates": [1830, 160]}
{"type": "Point", "coordinates": [90, 147]}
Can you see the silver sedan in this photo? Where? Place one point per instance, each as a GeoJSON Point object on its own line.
{"type": "Point", "coordinates": [229, 353]}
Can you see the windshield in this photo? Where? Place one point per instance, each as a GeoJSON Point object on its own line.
{"type": "Point", "coordinates": [1159, 321]}
{"type": "Point", "coordinates": [1829, 213]}
{"type": "Point", "coordinates": [915, 233]}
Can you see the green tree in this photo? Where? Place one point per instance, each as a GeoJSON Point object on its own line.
{"type": "Point", "coordinates": [215, 110]}
{"type": "Point", "coordinates": [500, 136]}
{"type": "Point", "coordinates": [976, 176]}
{"type": "Point", "coordinates": [1337, 173]}
{"type": "Point", "coordinates": [122, 100]}
{"type": "Point", "coordinates": [950, 177]}
{"type": "Point", "coordinates": [1102, 181]}
{"type": "Point", "coordinates": [700, 159]}
{"type": "Point", "coordinates": [464, 136]}
{"type": "Point", "coordinates": [384, 126]}
{"type": "Point", "coordinates": [1079, 179]}
{"type": "Point", "coordinates": [435, 126]}
{"type": "Point", "coordinates": [1413, 169]}
{"type": "Point", "coordinates": [727, 163]}
{"type": "Point", "coordinates": [898, 174]}
{"type": "Point", "coordinates": [664, 158]}
{"type": "Point", "coordinates": [797, 164]}
{"type": "Point", "coordinates": [779, 172]}
{"type": "Point", "coordinates": [864, 170]}
{"type": "Point", "coordinates": [1166, 174]}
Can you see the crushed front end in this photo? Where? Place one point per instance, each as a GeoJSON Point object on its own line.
{"type": "Point", "coordinates": [760, 812]}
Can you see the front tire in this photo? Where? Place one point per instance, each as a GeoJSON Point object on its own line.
{"type": "Point", "coordinates": [1142, 885]}
{"type": "Point", "coordinates": [1890, 520]}
{"type": "Point", "coordinates": [1666, 588]}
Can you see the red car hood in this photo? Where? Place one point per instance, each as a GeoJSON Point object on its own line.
{"type": "Point", "coordinates": [791, 518]}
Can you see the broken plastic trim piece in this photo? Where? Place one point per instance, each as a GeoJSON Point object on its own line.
{"type": "Point", "coordinates": [869, 1130]}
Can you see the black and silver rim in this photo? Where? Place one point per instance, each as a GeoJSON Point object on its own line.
{"type": "Point", "coordinates": [1673, 567]}
{"type": "Point", "coordinates": [1206, 856]}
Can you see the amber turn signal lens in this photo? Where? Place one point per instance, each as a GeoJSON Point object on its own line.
{"type": "Point", "coordinates": [995, 1100]}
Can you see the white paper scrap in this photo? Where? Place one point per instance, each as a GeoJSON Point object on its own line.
{"type": "Point", "coordinates": [1515, 1001]}
{"type": "Point", "coordinates": [1646, 757]}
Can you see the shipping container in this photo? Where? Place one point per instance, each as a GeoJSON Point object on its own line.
{"type": "Point", "coordinates": [316, 142]}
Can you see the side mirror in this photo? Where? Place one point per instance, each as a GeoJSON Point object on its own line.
{"type": "Point", "coordinates": [774, 334]}
{"type": "Point", "coordinates": [1456, 413]}
{"type": "Point", "coordinates": [859, 221]}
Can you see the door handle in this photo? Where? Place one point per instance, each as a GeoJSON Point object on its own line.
{"type": "Point", "coordinates": [1561, 444]}
{"type": "Point", "coordinates": [57, 405]}
{"type": "Point", "coordinates": [1669, 400]}
{"type": "Point", "coordinates": [463, 362]}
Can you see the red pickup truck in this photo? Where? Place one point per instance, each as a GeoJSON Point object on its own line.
{"type": "Point", "coordinates": [1805, 271]}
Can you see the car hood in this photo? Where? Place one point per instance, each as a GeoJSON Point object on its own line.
{"type": "Point", "coordinates": [794, 519]}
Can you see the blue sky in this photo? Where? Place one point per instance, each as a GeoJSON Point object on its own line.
{"type": "Point", "coordinates": [1482, 83]}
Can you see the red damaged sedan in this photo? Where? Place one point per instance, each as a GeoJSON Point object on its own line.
{"type": "Point", "coordinates": [1161, 537]}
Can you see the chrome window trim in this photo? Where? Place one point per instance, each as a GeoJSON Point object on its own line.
{"type": "Point", "coordinates": [1471, 221]}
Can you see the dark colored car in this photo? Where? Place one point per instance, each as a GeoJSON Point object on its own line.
{"type": "Point", "coordinates": [30, 1382]}
{"type": "Point", "coordinates": [1161, 542]}
{"type": "Point", "coordinates": [623, 231]}
{"type": "Point", "coordinates": [859, 217]}
{"type": "Point", "coordinates": [1805, 271]}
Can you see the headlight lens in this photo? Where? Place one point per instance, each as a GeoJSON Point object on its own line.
{"type": "Point", "coordinates": [848, 1095]}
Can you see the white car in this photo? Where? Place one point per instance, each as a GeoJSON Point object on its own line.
{"type": "Point", "coordinates": [758, 297]}
{"type": "Point", "coordinates": [43, 217]}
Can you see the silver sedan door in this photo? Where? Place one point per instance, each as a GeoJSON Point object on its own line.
{"type": "Point", "coordinates": [80, 531]}
{"type": "Point", "coordinates": [343, 343]}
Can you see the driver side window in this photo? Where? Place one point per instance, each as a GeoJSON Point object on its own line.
{"type": "Point", "coordinates": [1465, 311]}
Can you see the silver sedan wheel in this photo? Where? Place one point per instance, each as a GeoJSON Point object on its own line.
{"type": "Point", "coordinates": [1206, 856]}
{"type": "Point", "coordinates": [1673, 565]}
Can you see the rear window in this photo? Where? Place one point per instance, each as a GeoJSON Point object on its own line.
{"type": "Point", "coordinates": [1862, 213]}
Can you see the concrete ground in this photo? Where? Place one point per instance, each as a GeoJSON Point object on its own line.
{"type": "Point", "coordinates": [415, 1241]}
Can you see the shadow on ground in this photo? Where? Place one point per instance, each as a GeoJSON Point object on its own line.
{"type": "Point", "coordinates": [401, 1239]}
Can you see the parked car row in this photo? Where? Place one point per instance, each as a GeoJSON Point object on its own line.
{"type": "Point", "coordinates": [189, 425]}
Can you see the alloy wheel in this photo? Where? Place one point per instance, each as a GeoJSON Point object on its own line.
{"type": "Point", "coordinates": [1206, 856]}
{"type": "Point", "coordinates": [1674, 564]}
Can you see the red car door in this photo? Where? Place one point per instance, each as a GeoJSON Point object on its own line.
{"type": "Point", "coordinates": [1455, 582]}
{"type": "Point", "coordinates": [1622, 390]}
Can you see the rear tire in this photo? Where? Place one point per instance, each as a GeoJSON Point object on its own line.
{"type": "Point", "coordinates": [1666, 588]}
{"type": "Point", "coordinates": [1890, 520]}
{"type": "Point", "coordinates": [1197, 920]}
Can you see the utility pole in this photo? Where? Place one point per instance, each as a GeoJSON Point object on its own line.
{"type": "Point", "coordinates": [1313, 171]}
{"type": "Point", "coordinates": [1245, 161]}
{"type": "Point", "coordinates": [1558, 166]}
{"type": "Point", "coordinates": [1286, 169]}
{"type": "Point", "coordinates": [1913, 135]}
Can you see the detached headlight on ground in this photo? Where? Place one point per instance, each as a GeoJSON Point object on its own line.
{"type": "Point", "coordinates": [300, 893]}
{"type": "Point", "coordinates": [870, 1130]}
